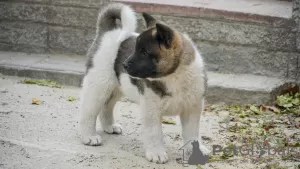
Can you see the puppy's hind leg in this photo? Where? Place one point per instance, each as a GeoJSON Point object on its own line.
{"type": "Point", "coordinates": [96, 90]}
{"type": "Point", "coordinates": [106, 116]}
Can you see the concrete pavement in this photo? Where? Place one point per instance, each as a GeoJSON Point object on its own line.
{"type": "Point", "coordinates": [45, 135]}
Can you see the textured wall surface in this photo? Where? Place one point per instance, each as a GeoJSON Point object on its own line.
{"type": "Point", "coordinates": [229, 46]}
{"type": "Point", "coordinates": [66, 26]}
{"type": "Point", "coordinates": [296, 17]}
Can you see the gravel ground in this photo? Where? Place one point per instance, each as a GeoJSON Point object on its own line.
{"type": "Point", "coordinates": [45, 135]}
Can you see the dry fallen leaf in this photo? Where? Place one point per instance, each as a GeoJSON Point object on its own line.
{"type": "Point", "coordinates": [168, 121]}
{"type": "Point", "coordinates": [293, 88]}
{"type": "Point", "coordinates": [71, 98]}
{"type": "Point", "coordinates": [273, 109]}
{"type": "Point", "coordinates": [42, 82]}
{"type": "Point", "coordinates": [36, 101]}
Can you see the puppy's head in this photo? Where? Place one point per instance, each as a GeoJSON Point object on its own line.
{"type": "Point", "coordinates": [157, 51]}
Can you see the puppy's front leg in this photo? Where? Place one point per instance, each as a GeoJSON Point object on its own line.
{"type": "Point", "coordinates": [152, 132]}
{"type": "Point", "coordinates": [190, 122]}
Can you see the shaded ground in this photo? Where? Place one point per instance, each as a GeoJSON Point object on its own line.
{"type": "Point", "coordinates": [45, 135]}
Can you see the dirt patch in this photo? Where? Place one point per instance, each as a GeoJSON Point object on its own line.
{"type": "Point", "coordinates": [266, 136]}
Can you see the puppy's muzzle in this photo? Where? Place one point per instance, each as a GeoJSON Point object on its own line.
{"type": "Point", "coordinates": [126, 65]}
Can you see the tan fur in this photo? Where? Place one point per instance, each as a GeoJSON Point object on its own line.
{"type": "Point", "coordinates": [181, 51]}
{"type": "Point", "coordinates": [153, 32]}
{"type": "Point", "coordinates": [188, 53]}
{"type": "Point", "coordinates": [152, 25]}
{"type": "Point", "coordinates": [170, 58]}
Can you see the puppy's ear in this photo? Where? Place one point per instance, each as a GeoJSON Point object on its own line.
{"type": "Point", "coordinates": [164, 35]}
{"type": "Point", "coordinates": [150, 21]}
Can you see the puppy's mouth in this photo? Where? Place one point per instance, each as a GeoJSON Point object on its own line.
{"type": "Point", "coordinates": [133, 77]}
{"type": "Point", "coordinates": [138, 75]}
{"type": "Point", "coordinates": [131, 74]}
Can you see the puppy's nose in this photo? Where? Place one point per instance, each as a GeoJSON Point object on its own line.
{"type": "Point", "coordinates": [125, 65]}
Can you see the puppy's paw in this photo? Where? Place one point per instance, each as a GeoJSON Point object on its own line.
{"type": "Point", "coordinates": [91, 140]}
{"type": "Point", "coordinates": [157, 156]}
{"type": "Point", "coordinates": [204, 149]}
{"type": "Point", "coordinates": [113, 129]}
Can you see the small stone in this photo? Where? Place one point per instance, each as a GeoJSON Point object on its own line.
{"type": "Point", "coordinates": [253, 124]}
{"type": "Point", "coordinates": [206, 138]}
{"type": "Point", "coordinates": [4, 104]}
{"type": "Point", "coordinates": [223, 113]}
{"type": "Point", "coordinates": [297, 120]}
{"type": "Point", "coordinates": [3, 90]}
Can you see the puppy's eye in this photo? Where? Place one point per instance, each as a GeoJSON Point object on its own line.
{"type": "Point", "coordinates": [144, 52]}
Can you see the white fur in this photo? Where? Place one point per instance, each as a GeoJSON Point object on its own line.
{"type": "Point", "coordinates": [98, 85]}
{"type": "Point", "coordinates": [186, 86]}
{"type": "Point", "coordinates": [128, 20]}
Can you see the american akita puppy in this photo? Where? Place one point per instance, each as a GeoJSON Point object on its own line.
{"type": "Point", "coordinates": [160, 69]}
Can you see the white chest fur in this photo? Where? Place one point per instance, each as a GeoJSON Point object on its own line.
{"type": "Point", "coordinates": [187, 89]}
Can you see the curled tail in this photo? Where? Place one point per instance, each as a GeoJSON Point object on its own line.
{"type": "Point", "coordinates": [108, 15]}
{"type": "Point", "coordinates": [107, 21]}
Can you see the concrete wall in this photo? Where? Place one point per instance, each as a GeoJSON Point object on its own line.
{"type": "Point", "coordinates": [48, 25]}
{"type": "Point", "coordinates": [229, 46]}
{"type": "Point", "coordinates": [296, 17]}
